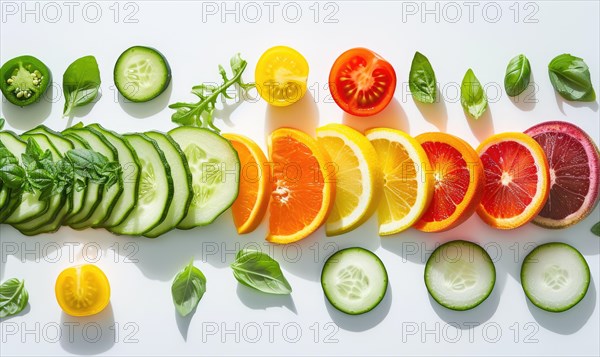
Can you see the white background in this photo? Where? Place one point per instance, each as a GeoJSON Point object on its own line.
{"type": "Point", "coordinates": [232, 319]}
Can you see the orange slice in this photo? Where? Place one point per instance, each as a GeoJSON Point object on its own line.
{"type": "Point", "coordinates": [516, 180]}
{"type": "Point", "coordinates": [458, 177]}
{"type": "Point", "coordinates": [302, 186]}
{"type": "Point", "coordinates": [251, 204]}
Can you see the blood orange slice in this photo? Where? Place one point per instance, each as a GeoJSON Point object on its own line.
{"type": "Point", "coordinates": [574, 173]}
{"type": "Point", "coordinates": [250, 206]}
{"type": "Point", "coordinates": [302, 186]}
{"type": "Point", "coordinates": [458, 177]}
{"type": "Point", "coordinates": [516, 180]}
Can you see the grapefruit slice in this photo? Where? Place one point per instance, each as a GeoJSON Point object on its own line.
{"type": "Point", "coordinates": [302, 186]}
{"type": "Point", "coordinates": [250, 206]}
{"type": "Point", "coordinates": [458, 177]}
{"type": "Point", "coordinates": [517, 180]}
{"type": "Point", "coordinates": [574, 171]}
{"type": "Point", "coordinates": [407, 189]}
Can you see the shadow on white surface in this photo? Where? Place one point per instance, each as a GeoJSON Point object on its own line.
{"type": "Point", "coordinates": [570, 321]}
{"type": "Point", "coordinates": [89, 335]}
{"type": "Point", "coordinates": [183, 323]}
{"type": "Point", "coordinates": [366, 321]}
{"type": "Point", "coordinates": [483, 127]}
{"type": "Point", "coordinates": [23, 312]}
{"type": "Point", "coordinates": [80, 112]}
{"type": "Point", "coordinates": [393, 116]}
{"type": "Point", "coordinates": [562, 101]}
{"type": "Point", "coordinates": [30, 116]}
{"type": "Point", "coordinates": [257, 300]}
{"type": "Point", "coordinates": [479, 314]}
{"type": "Point", "coordinates": [435, 113]}
{"type": "Point", "coordinates": [147, 109]}
{"type": "Point", "coordinates": [302, 115]}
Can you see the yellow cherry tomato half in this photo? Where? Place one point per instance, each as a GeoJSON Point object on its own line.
{"type": "Point", "coordinates": [281, 75]}
{"type": "Point", "coordinates": [82, 290]}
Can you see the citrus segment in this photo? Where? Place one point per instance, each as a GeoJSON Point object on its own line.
{"type": "Point", "coordinates": [407, 190]}
{"type": "Point", "coordinates": [358, 177]}
{"type": "Point", "coordinates": [458, 176]}
{"type": "Point", "coordinates": [516, 180]}
{"type": "Point", "coordinates": [302, 186]}
{"type": "Point", "coordinates": [251, 204]}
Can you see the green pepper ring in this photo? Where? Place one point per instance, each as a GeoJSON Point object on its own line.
{"type": "Point", "coordinates": [28, 72]}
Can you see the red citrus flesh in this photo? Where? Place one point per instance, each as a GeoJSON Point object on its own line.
{"type": "Point", "coordinates": [574, 165]}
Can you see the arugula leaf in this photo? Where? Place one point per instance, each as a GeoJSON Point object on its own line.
{"type": "Point", "coordinates": [596, 229]}
{"type": "Point", "coordinates": [570, 77]}
{"type": "Point", "coordinates": [518, 75]}
{"type": "Point", "coordinates": [472, 95]}
{"type": "Point", "coordinates": [188, 288]}
{"type": "Point", "coordinates": [201, 113]}
{"type": "Point", "coordinates": [259, 271]}
{"type": "Point", "coordinates": [421, 81]}
{"type": "Point", "coordinates": [13, 297]}
{"type": "Point", "coordinates": [81, 82]}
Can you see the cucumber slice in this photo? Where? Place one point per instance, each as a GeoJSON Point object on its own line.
{"type": "Point", "coordinates": [182, 182]}
{"type": "Point", "coordinates": [17, 146]}
{"type": "Point", "coordinates": [77, 197]}
{"type": "Point", "coordinates": [354, 280]}
{"type": "Point", "coordinates": [56, 203]}
{"type": "Point", "coordinates": [460, 275]}
{"type": "Point", "coordinates": [92, 193]}
{"type": "Point", "coordinates": [100, 144]}
{"type": "Point", "coordinates": [131, 176]}
{"type": "Point", "coordinates": [142, 73]}
{"type": "Point", "coordinates": [156, 188]}
{"type": "Point", "coordinates": [555, 277]}
{"type": "Point", "coordinates": [215, 168]}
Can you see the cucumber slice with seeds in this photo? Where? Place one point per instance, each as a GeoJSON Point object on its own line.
{"type": "Point", "coordinates": [182, 182]}
{"type": "Point", "coordinates": [155, 191]}
{"type": "Point", "coordinates": [354, 280]}
{"type": "Point", "coordinates": [460, 275]}
{"type": "Point", "coordinates": [214, 164]}
{"type": "Point", "coordinates": [555, 277]}
{"type": "Point", "coordinates": [141, 74]}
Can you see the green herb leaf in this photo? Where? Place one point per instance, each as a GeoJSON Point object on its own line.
{"type": "Point", "coordinates": [259, 271]}
{"type": "Point", "coordinates": [518, 75]}
{"type": "Point", "coordinates": [570, 77]}
{"type": "Point", "coordinates": [2, 121]}
{"type": "Point", "coordinates": [12, 175]}
{"type": "Point", "coordinates": [188, 288]}
{"type": "Point", "coordinates": [421, 81]}
{"type": "Point", "coordinates": [596, 229]}
{"type": "Point", "coordinates": [81, 82]}
{"type": "Point", "coordinates": [201, 113]}
{"type": "Point", "coordinates": [472, 95]}
{"type": "Point", "coordinates": [13, 297]}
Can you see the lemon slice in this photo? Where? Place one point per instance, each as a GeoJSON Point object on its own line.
{"type": "Point", "coordinates": [407, 183]}
{"type": "Point", "coordinates": [359, 181]}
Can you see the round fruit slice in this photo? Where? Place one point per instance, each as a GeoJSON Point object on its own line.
{"type": "Point", "coordinates": [517, 180]}
{"type": "Point", "coordinates": [281, 75]}
{"type": "Point", "coordinates": [82, 290]}
{"type": "Point", "coordinates": [574, 165]}
{"type": "Point", "coordinates": [359, 181]}
{"type": "Point", "coordinates": [250, 206]}
{"type": "Point", "coordinates": [458, 176]}
{"type": "Point", "coordinates": [407, 189]}
{"type": "Point", "coordinates": [302, 186]}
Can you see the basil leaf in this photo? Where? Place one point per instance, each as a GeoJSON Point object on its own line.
{"type": "Point", "coordinates": [472, 95]}
{"type": "Point", "coordinates": [596, 229]}
{"type": "Point", "coordinates": [81, 82]}
{"type": "Point", "coordinates": [13, 297]}
{"type": "Point", "coordinates": [570, 77]}
{"type": "Point", "coordinates": [188, 288]}
{"type": "Point", "coordinates": [518, 75]}
{"type": "Point", "coordinates": [12, 175]}
{"type": "Point", "coordinates": [421, 80]}
{"type": "Point", "coordinates": [259, 271]}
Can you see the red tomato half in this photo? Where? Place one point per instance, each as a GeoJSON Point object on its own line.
{"type": "Point", "coordinates": [361, 82]}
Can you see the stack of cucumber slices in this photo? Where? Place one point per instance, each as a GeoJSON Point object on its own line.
{"type": "Point", "coordinates": [181, 179]}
